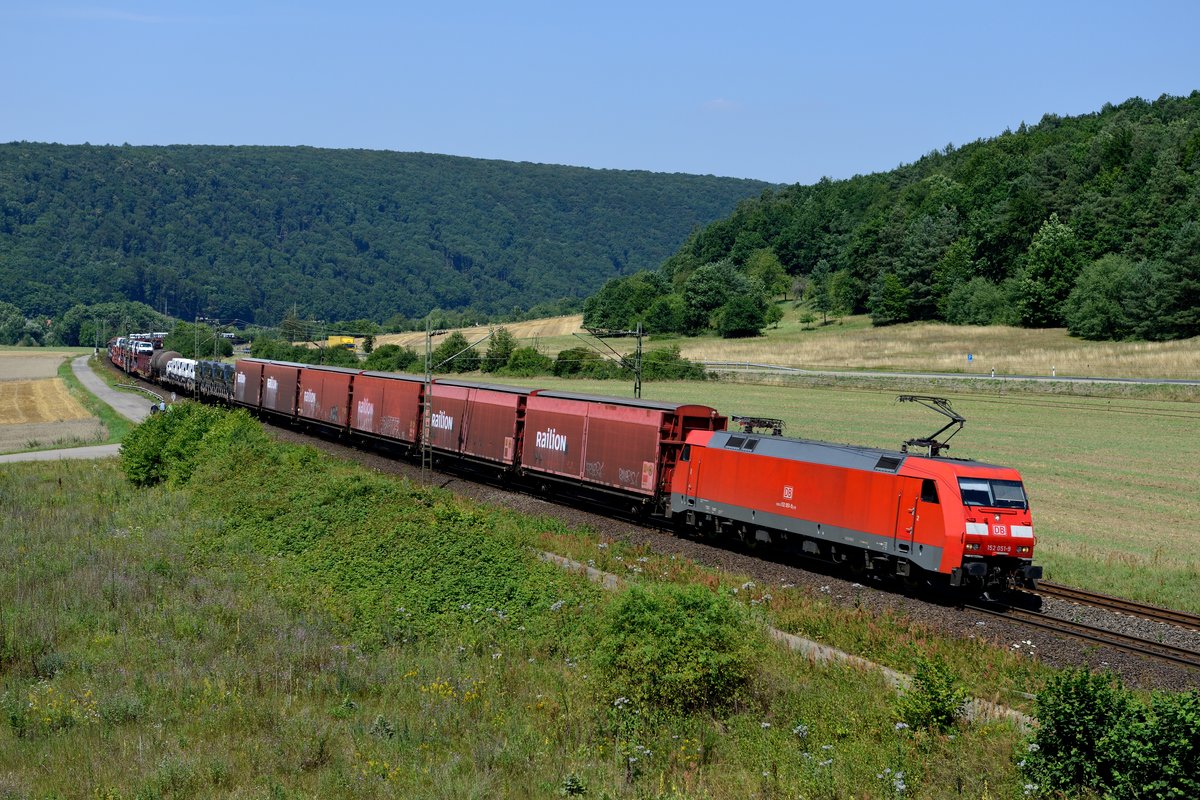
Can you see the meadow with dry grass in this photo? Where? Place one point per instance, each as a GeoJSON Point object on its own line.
{"type": "Point", "coordinates": [937, 347]}
{"type": "Point", "coordinates": [853, 344]}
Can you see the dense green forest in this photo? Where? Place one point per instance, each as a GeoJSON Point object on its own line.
{"type": "Point", "coordinates": [250, 232]}
{"type": "Point", "coordinates": [1092, 222]}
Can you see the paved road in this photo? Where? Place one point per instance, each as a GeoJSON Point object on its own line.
{"type": "Point", "coordinates": [134, 407]}
{"type": "Point", "coordinates": [98, 451]}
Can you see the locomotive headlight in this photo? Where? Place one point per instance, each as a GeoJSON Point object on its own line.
{"type": "Point", "coordinates": [973, 546]}
{"type": "Point", "coordinates": [1024, 550]}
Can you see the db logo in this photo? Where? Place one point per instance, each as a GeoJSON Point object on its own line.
{"type": "Point", "coordinates": [999, 530]}
{"type": "Point", "coordinates": [787, 493]}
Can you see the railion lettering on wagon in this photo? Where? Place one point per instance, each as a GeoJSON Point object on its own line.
{"type": "Point", "coordinates": [551, 439]}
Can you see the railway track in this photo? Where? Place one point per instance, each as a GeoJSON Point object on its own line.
{"type": "Point", "coordinates": [1182, 619]}
{"type": "Point", "coordinates": [1099, 636]}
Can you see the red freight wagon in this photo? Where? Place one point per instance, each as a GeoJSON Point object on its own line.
{"type": "Point", "coordinates": [627, 445]}
{"type": "Point", "coordinates": [280, 385]}
{"type": "Point", "coordinates": [388, 405]}
{"type": "Point", "coordinates": [476, 420]}
{"type": "Point", "coordinates": [247, 382]}
{"type": "Point", "coordinates": [325, 395]}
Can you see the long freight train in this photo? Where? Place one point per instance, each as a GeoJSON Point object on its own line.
{"type": "Point", "coordinates": [941, 520]}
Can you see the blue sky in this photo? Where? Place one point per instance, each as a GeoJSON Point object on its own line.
{"type": "Point", "coordinates": [780, 91]}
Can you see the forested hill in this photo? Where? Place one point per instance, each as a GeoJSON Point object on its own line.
{"type": "Point", "coordinates": [246, 232]}
{"type": "Point", "coordinates": [1090, 221]}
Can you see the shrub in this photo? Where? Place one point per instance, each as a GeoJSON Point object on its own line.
{"type": "Point", "coordinates": [676, 648]}
{"type": "Point", "coordinates": [165, 443]}
{"type": "Point", "coordinates": [580, 362]}
{"type": "Point", "coordinates": [1085, 722]}
{"type": "Point", "coordinates": [935, 701]}
{"type": "Point", "coordinates": [392, 358]}
{"type": "Point", "coordinates": [666, 364]}
{"type": "Point", "coordinates": [527, 362]}
{"type": "Point", "coordinates": [455, 354]}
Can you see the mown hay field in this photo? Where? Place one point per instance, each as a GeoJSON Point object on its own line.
{"type": "Point", "coordinates": [36, 408]}
{"type": "Point", "coordinates": [1111, 481]}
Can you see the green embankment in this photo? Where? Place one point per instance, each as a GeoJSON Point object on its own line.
{"type": "Point", "coordinates": [261, 619]}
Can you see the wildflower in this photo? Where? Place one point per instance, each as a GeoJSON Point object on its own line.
{"type": "Point", "coordinates": [800, 730]}
{"type": "Point", "coordinates": [1030, 788]}
{"type": "Point", "coordinates": [603, 545]}
{"type": "Point", "coordinates": [900, 726]}
{"type": "Point", "coordinates": [621, 702]}
{"type": "Point", "coordinates": [1033, 747]}
{"type": "Point", "coordinates": [748, 585]}
{"type": "Point", "coordinates": [557, 605]}
{"type": "Point", "coordinates": [764, 725]}
{"type": "Point", "coordinates": [495, 655]}
{"type": "Point", "coordinates": [826, 762]}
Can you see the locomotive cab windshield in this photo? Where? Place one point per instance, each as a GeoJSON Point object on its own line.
{"type": "Point", "coordinates": [991, 493]}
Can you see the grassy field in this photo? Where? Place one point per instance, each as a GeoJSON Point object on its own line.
{"type": "Point", "coordinates": [165, 643]}
{"type": "Point", "coordinates": [1111, 481]}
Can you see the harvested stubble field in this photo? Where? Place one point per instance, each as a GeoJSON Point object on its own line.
{"type": "Point", "coordinates": [528, 332]}
{"type": "Point", "coordinates": [36, 408]}
{"type": "Point", "coordinates": [1111, 481]}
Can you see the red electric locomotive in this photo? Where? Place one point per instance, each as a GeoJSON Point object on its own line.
{"type": "Point", "coordinates": [954, 521]}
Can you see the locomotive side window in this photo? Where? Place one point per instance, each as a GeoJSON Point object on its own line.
{"type": "Point", "coordinates": [686, 453]}
{"type": "Point", "coordinates": [993, 494]}
{"type": "Point", "coordinates": [929, 491]}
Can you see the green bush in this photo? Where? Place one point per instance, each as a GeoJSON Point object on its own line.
{"type": "Point", "coordinates": [676, 649]}
{"type": "Point", "coordinates": [526, 362]}
{"type": "Point", "coordinates": [582, 362]}
{"type": "Point", "coordinates": [1092, 735]}
{"type": "Point", "coordinates": [165, 443]}
{"type": "Point", "coordinates": [935, 701]}
{"type": "Point", "coordinates": [666, 364]}
{"type": "Point", "coordinates": [393, 358]}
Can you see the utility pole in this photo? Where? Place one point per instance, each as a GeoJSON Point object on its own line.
{"type": "Point", "coordinates": [637, 365]}
{"type": "Point", "coordinates": [426, 409]}
{"type": "Point", "coordinates": [634, 366]}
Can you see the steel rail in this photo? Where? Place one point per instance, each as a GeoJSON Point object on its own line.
{"type": "Point", "coordinates": [1100, 636]}
{"type": "Point", "coordinates": [1182, 619]}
